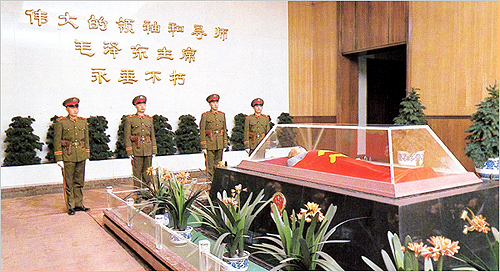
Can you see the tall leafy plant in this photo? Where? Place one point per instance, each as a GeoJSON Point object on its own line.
{"type": "Point", "coordinates": [179, 203]}
{"type": "Point", "coordinates": [22, 143]}
{"type": "Point", "coordinates": [300, 239]}
{"type": "Point", "coordinates": [230, 219]}
{"type": "Point", "coordinates": [120, 150]}
{"type": "Point", "coordinates": [411, 111]}
{"type": "Point", "coordinates": [99, 149]}
{"type": "Point", "coordinates": [187, 135]}
{"type": "Point", "coordinates": [237, 137]}
{"type": "Point", "coordinates": [164, 135]}
{"type": "Point", "coordinates": [50, 140]}
{"type": "Point", "coordinates": [482, 142]}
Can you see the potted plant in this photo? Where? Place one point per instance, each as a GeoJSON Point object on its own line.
{"type": "Point", "coordinates": [482, 142]}
{"type": "Point", "coordinates": [230, 219]}
{"type": "Point", "coordinates": [155, 193]}
{"type": "Point", "coordinates": [300, 239]}
{"type": "Point", "coordinates": [178, 206]}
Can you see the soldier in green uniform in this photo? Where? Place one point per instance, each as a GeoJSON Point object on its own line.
{"type": "Point", "coordinates": [72, 149]}
{"type": "Point", "coordinates": [213, 134]}
{"type": "Point", "coordinates": [140, 142]}
{"type": "Point", "coordinates": [256, 126]}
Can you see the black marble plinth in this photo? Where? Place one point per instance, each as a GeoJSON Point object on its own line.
{"type": "Point", "coordinates": [419, 216]}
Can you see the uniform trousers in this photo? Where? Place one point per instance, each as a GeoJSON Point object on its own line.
{"type": "Point", "coordinates": [213, 157]}
{"type": "Point", "coordinates": [74, 176]}
{"type": "Point", "coordinates": [140, 167]}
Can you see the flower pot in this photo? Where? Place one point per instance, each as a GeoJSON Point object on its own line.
{"type": "Point", "coordinates": [489, 170]}
{"type": "Point", "coordinates": [411, 159]}
{"type": "Point", "coordinates": [187, 233]}
{"type": "Point", "coordinates": [237, 263]}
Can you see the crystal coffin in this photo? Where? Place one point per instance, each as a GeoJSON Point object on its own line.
{"type": "Point", "coordinates": [390, 161]}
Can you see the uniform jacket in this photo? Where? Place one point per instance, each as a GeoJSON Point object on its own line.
{"type": "Point", "coordinates": [139, 135]}
{"type": "Point", "coordinates": [213, 131]}
{"type": "Point", "coordinates": [71, 139]}
{"type": "Point", "coordinates": [255, 125]}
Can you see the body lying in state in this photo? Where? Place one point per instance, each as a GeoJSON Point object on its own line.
{"type": "Point", "coordinates": [336, 163]}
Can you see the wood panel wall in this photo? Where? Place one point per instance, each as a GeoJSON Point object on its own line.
{"type": "Point", "coordinates": [368, 25]}
{"type": "Point", "coordinates": [313, 47]}
{"type": "Point", "coordinates": [453, 54]}
{"type": "Point", "coordinates": [452, 57]}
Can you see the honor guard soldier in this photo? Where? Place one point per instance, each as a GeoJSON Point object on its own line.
{"type": "Point", "coordinates": [140, 142]}
{"type": "Point", "coordinates": [256, 126]}
{"type": "Point", "coordinates": [213, 134]}
{"type": "Point", "coordinates": [72, 149]}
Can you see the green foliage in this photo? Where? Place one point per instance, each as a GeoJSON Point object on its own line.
{"type": "Point", "coordinates": [22, 143]}
{"type": "Point", "coordinates": [285, 118]}
{"type": "Point", "coordinates": [298, 244]}
{"type": "Point", "coordinates": [164, 136]}
{"type": "Point", "coordinates": [411, 110]}
{"type": "Point", "coordinates": [120, 149]}
{"type": "Point", "coordinates": [403, 261]}
{"type": "Point", "coordinates": [286, 135]}
{"type": "Point", "coordinates": [482, 143]}
{"type": "Point", "coordinates": [99, 149]}
{"type": "Point", "coordinates": [271, 124]}
{"type": "Point", "coordinates": [50, 140]}
{"type": "Point", "coordinates": [187, 135]}
{"type": "Point", "coordinates": [156, 192]}
{"type": "Point", "coordinates": [231, 222]}
{"type": "Point", "coordinates": [179, 203]}
{"type": "Point", "coordinates": [237, 133]}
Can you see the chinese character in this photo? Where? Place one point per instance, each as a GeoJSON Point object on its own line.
{"type": "Point", "coordinates": [67, 20]}
{"type": "Point", "coordinates": [37, 15]}
{"type": "Point", "coordinates": [125, 25]}
{"type": "Point", "coordinates": [154, 28]}
{"type": "Point", "coordinates": [139, 51]}
{"type": "Point", "coordinates": [221, 32]}
{"type": "Point", "coordinates": [94, 23]}
{"type": "Point", "coordinates": [153, 76]}
{"type": "Point", "coordinates": [199, 32]}
{"type": "Point", "coordinates": [163, 53]}
{"type": "Point", "coordinates": [83, 46]}
{"type": "Point", "coordinates": [188, 53]}
{"type": "Point", "coordinates": [174, 76]}
{"type": "Point", "coordinates": [98, 74]}
{"type": "Point", "coordinates": [128, 76]}
{"type": "Point", "coordinates": [112, 48]}
{"type": "Point", "coordinates": [173, 27]}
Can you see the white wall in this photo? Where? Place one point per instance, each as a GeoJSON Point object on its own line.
{"type": "Point", "coordinates": [50, 173]}
{"type": "Point", "coordinates": [41, 68]}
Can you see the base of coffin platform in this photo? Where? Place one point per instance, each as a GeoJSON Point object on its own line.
{"type": "Point", "coordinates": [419, 216]}
{"type": "Point", "coordinates": [144, 245]}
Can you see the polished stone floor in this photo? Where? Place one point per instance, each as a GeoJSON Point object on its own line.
{"type": "Point", "coordinates": [37, 234]}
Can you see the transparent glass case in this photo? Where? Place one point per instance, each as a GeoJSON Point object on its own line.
{"type": "Point", "coordinates": [354, 157]}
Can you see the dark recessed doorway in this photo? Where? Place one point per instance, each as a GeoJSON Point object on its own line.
{"type": "Point", "coordinates": [386, 84]}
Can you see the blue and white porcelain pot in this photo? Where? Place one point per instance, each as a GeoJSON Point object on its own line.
{"type": "Point", "coordinates": [489, 170]}
{"type": "Point", "coordinates": [237, 263]}
{"type": "Point", "coordinates": [178, 241]}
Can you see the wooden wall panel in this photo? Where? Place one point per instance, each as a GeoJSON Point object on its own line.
{"type": "Point", "coordinates": [300, 44]}
{"type": "Point", "coordinates": [451, 131]}
{"type": "Point", "coordinates": [325, 48]}
{"type": "Point", "coordinates": [398, 21]}
{"type": "Point", "coordinates": [348, 25]}
{"type": "Point", "coordinates": [314, 46]}
{"type": "Point", "coordinates": [453, 53]}
{"type": "Point", "coordinates": [369, 25]}
{"type": "Point", "coordinates": [372, 26]}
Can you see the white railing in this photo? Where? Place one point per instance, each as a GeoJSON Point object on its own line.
{"type": "Point", "coordinates": [198, 256]}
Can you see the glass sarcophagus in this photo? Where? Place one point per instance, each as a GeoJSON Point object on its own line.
{"type": "Point", "coordinates": [393, 161]}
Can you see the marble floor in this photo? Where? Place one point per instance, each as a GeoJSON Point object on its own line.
{"type": "Point", "coordinates": [37, 234]}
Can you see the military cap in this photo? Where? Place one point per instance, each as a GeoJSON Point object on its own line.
{"type": "Point", "coordinates": [139, 99]}
{"type": "Point", "coordinates": [213, 97]}
{"type": "Point", "coordinates": [71, 101]}
{"type": "Point", "coordinates": [257, 101]}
